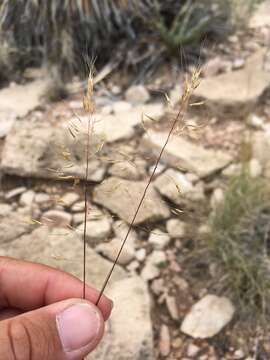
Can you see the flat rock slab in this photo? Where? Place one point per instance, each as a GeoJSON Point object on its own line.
{"type": "Point", "coordinates": [35, 147]}
{"type": "Point", "coordinates": [20, 99]}
{"type": "Point", "coordinates": [128, 335]}
{"type": "Point", "coordinates": [122, 197]}
{"type": "Point", "coordinates": [235, 93]}
{"type": "Point", "coordinates": [13, 225]}
{"type": "Point", "coordinates": [261, 16]}
{"type": "Point", "coordinates": [183, 154]}
{"type": "Point", "coordinates": [207, 317]}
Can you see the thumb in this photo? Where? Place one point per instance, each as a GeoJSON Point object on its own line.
{"type": "Point", "coordinates": [67, 330]}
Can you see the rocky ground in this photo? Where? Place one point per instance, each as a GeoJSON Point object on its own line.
{"type": "Point", "coordinates": [163, 310]}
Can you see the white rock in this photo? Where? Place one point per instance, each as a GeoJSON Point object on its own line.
{"type": "Point", "coordinates": [255, 168]}
{"type": "Point", "coordinates": [217, 198]}
{"type": "Point", "coordinates": [235, 93]}
{"type": "Point", "coordinates": [140, 255]}
{"type": "Point", "coordinates": [181, 153]}
{"type": "Point", "coordinates": [261, 17]}
{"type": "Point", "coordinates": [5, 210]}
{"type": "Point", "coordinates": [255, 121]}
{"type": "Point", "coordinates": [78, 218]}
{"type": "Point", "coordinates": [78, 206]}
{"type": "Point", "coordinates": [151, 269]}
{"type": "Point", "coordinates": [69, 198]}
{"type": "Point", "coordinates": [121, 106]}
{"type": "Point", "coordinates": [125, 170]}
{"type": "Point", "coordinates": [232, 170]}
{"type": "Point", "coordinates": [26, 97]}
{"type": "Point", "coordinates": [97, 230]}
{"type": "Point", "coordinates": [192, 350]}
{"type": "Point", "coordinates": [111, 249]}
{"type": "Point", "coordinates": [164, 341]}
{"type": "Point", "coordinates": [42, 198]}
{"type": "Point", "coordinates": [15, 192]}
{"type": "Point", "coordinates": [215, 66]}
{"type": "Point", "coordinates": [239, 354]}
{"type": "Point", "coordinates": [176, 228]}
{"type": "Point", "coordinates": [159, 239]}
{"type": "Point", "coordinates": [56, 218]}
{"type": "Point", "coordinates": [207, 317]}
{"type": "Point", "coordinates": [109, 193]}
{"type": "Point", "coordinates": [175, 186]}
{"type": "Point", "coordinates": [128, 337]}
{"type": "Point", "coordinates": [137, 94]}
{"type": "Point", "coordinates": [121, 228]}
{"type": "Point", "coordinates": [7, 119]}
{"type": "Point", "coordinates": [13, 224]}
{"type": "Point", "coordinates": [27, 198]}
{"type": "Point", "coordinates": [238, 63]}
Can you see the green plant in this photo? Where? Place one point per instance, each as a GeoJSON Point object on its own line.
{"type": "Point", "coordinates": [187, 28]}
{"type": "Point", "coordinates": [59, 32]}
{"type": "Point", "coordinates": [240, 243]}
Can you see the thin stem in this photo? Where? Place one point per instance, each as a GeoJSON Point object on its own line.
{"type": "Point", "coordinates": [140, 204]}
{"type": "Point", "coordinates": [85, 207]}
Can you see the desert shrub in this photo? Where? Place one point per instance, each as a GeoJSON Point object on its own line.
{"type": "Point", "coordinates": [240, 244]}
{"type": "Point", "coordinates": [58, 32]}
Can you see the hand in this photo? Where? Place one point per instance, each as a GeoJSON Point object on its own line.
{"type": "Point", "coordinates": [42, 316]}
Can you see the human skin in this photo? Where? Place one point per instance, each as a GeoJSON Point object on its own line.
{"type": "Point", "coordinates": [42, 315]}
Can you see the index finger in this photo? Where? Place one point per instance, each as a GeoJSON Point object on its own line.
{"type": "Point", "coordinates": [28, 286]}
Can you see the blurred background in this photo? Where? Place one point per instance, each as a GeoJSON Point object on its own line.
{"type": "Point", "coordinates": [193, 281]}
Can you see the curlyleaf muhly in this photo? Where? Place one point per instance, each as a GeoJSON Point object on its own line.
{"type": "Point", "coordinates": [189, 87]}
{"type": "Point", "coordinates": [89, 107]}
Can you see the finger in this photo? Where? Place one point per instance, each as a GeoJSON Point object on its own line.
{"type": "Point", "coordinates": [67, 330]}
{"type": "Point", "coordinates": [9, 313]}
{"type": "Point", "coordinates": [28, 286]}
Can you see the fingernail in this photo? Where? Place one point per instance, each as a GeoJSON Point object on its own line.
{"type": "Point", "coordinates": [78, 326]}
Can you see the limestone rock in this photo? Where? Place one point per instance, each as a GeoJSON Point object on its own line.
{"type": "Point", "coordinates": [261, 148]}
{"type": "Point", "coordinates": [111, 249]}
{"type": "Point", "coordinates": [20, 99]}
{"type": "Point", "coordinates": [121, 106]}
{"type": "Point", "coordinates": [97, 230]}
{"type": "Point", "coordinates": [5, 210]}
{"type": "Point", "coordinates": [69, 198]}
{"type": "Point", "coordinates": [125, 170]}
{"type": "Point", "coordinates": [7, 119]}
{"type": "Point", "coordinates": [27, 198]}
{"type": "Point", "coordinates": [121, 228]}
{"type": "Point", "coordinates": [137, 94]}
{"type": "Point", "coordinates": [181, 153]}
{"type": "Point", "coordinates": [158, 239]}
{"type": "Point", "coordinates": [217, 198]}
{"type": "Point", "coordinates": [15, 192]}
{"type": "Point", "coordinates": [13, 224]}
{"type": "Point", "coordinates": [32, 149]}
{"type": "Point", "coordinates": [56, 218]}
{"type": "Point", "coordinates": [176, 228]}
{"type": "Point", "coordinates": [261, 16]}
{"type": "Point", "coordinates": [255, 168]}
{"type": "Point", "coordinates": [176, 187]}
{"type": "Point", "coordinates": [151, 269]}
{"type": "Point", "coordinates": [128, 337]}
{"type": "Point", "coordinates": [164, 341]}
{"type": "Point", "coordinates": [110, 192]}
{"type": "Point", "coordinates": [207, 317]}
{"type": "Point", "coordinates": [235, 93]}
